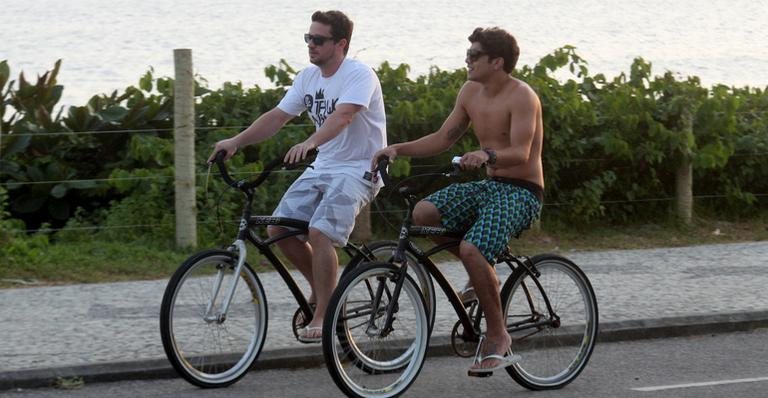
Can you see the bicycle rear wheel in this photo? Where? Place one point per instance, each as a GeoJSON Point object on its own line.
{"type": "Point", "coordinates": [555, 346]}
{"type": "Point", "coordinates": [363, 359]}
{"type": "Point", "coordinates": [207, 348]}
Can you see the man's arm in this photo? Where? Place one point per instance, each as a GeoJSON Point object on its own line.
{"type": "Point", "coordinates": [452, 129]}
{"type": "Point", "coordinates": [522, 128]}
{"type": "Point", "coordinates": [333, 126]}
{"type": "Point", "coordinates": [265, 126]}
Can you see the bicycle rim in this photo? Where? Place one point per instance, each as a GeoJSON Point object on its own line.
{"type": "Point", "coordinates": [553, 354]}
{"type": "Point", "coordinates": [362, 361]}
{"type": "Point", "coordinates": [209, 351]}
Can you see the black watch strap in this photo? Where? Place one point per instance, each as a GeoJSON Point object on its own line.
{"type": "Point", "coordinates": [491, 155]}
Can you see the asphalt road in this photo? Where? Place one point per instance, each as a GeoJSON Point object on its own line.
{"type": "Point", "coordinates": [732, 365]}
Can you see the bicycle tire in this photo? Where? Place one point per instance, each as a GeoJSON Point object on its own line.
{"type": "Point", "coordinates": [352, 346]}
{"type": "Point", "coordinates": [553, 354]}
{"type": "Point", "coordinates": [212, 353]}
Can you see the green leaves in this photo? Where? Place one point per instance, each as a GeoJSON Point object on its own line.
{"type": "Point", "coordinates": [281, 75]}
{"type": "Point", "coordinates": [610, 145]}
{"type": "Point", "coordinates": [145, 83]}
{"type": "Point", "coordinates": [5, 73]}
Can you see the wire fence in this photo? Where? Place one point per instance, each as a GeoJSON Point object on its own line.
{"type": "Point", "coordinates": [382, 213]}
{"type": "Point", "coordinates": [206, 129]}
{"type": "Point", "coordinates": [16, 184]}
{"type": "Point", "coordinates": [136, 131]}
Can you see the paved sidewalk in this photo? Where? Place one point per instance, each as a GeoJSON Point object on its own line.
{"type": "Point", "coordinates": [72, 330]}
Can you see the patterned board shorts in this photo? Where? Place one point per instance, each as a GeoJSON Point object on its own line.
{"type": "Point", "coordinates": [328, 201]}
{"type": "Point", "coordinates": [491, 212]}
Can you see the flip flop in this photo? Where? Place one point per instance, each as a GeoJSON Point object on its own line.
{"type": "Point", "coordinates": [506, 360]}
{"type": "Point", "coordinates": [310, 340]}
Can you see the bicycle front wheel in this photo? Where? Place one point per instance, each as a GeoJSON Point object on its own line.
{"type": "Point", "coordinates": [384, 251]}
{"type": "Point", "coordinates": [205, 346]}
{"type": "Point", "coordinates": [363, 357]}
{"type": "Point", "coordinates": [555, 340]}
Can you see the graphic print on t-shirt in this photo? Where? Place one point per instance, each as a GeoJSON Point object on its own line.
{"type": "Point", "coordinates": [318, 108]}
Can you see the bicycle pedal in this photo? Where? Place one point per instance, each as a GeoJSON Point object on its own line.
{"type": "Point", "coordinates": [479, 374]}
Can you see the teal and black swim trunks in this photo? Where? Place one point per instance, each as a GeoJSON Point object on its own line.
{"type": "Point", "coordinates": [491, 211]}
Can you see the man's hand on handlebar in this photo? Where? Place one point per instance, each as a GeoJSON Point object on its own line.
{"type": "Point", "coordinates": [299, 152]}
{"type": "Point", "coordinates": [388, 153]}
{"type": "Point", "coordinates": [473, 160]}
{"type": "Point", "coordinates": [228, 145]}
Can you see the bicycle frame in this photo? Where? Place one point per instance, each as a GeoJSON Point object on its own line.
{"type": "Point", "coordinates": [525, 265]}
{"type": "Point", "coordinates": [405, 243]}
{"type": "Point", "coordinates": [471, 329]}
{"type": "Point", "coordinates": [246, 233]}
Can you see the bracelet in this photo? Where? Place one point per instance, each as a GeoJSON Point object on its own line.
{"type": "Point", "coordinates": [491, 155]}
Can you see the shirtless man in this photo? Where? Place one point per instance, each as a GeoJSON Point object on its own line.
{"type": "Point", "coordinates": [506, 118]}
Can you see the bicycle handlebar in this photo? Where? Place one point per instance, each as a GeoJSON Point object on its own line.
{"type": "Point", "coordinates": [381, 167]}
{"type": "Point", "coordinates": [268, 168]}
{"type": "Point", "coordinates": [455, 172]}
{"type": "Point", "coordinates": [219, 160]}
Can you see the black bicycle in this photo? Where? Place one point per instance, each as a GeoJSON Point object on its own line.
{"type": "Point", "coordinates": [213, 317]}
{"type": "Point", "coordinates": [378, 320]}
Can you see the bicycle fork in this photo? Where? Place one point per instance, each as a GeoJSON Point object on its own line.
{"type": "Point", "coordinates": [221, 316]}
{"type": "Point", "coordinates": [392, 306]}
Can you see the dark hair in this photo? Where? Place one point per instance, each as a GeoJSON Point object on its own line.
{"type": "Point", "coordinates": [497, 43]}
{"type": "Point", "coordinates": [341, 26]}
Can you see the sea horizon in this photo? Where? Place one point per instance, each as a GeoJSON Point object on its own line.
{"type": "Point", "coordinates": [106, 48]}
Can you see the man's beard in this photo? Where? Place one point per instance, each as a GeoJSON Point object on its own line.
{"type": "Point", "coordinates": [318, 61]}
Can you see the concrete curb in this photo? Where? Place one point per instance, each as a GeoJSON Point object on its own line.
{"type": "Point", "coordinates": [310, 356]}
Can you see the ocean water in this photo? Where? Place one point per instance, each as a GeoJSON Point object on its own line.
{"type": "Point", "coordinates": [107, 45]}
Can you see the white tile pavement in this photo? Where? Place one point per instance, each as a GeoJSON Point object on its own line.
{"type": "Point", "coordinates": [43, 327]}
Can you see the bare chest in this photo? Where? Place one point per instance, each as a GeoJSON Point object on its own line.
{"type": "Point", "coordinates": [489, 118]}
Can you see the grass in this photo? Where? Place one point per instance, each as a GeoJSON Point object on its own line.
{"type": "Point", "coordinates": [87, 262]}
{"type": "Point", "coordinates": [702, 232]}
{"type": "Point", "coordinates": [94, 262]}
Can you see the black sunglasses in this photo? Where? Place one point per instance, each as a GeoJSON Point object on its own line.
{"type": "Point", "coordinates": [474, 55]}
{"type": "Point", "coordinates": [315, 39]}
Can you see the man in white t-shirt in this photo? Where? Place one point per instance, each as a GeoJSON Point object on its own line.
{"type": "Point", "coordinates": [343, 98]}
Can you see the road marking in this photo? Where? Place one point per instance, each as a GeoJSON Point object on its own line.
{"type": "Point", "coordinates": [703, 384]}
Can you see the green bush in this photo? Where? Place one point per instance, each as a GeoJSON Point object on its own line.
{"type": "Point", "coordinates": [611, 149]}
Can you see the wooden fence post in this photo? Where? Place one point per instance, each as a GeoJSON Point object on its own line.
{"type": "Point", "coordinates": [184, 149]}
{"type": "Point", "coordinates": [684, 177]}
{"type": "Point", "coordinates": [684, 189]}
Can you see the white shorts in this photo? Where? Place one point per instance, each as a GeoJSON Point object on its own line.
{"type": "Point", "coordinates": [328, 201]}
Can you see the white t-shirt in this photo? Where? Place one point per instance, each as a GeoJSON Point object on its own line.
{"type": "Point", "coordinates": [351, 151]}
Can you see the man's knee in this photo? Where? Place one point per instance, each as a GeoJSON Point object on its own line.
{"type": "Point", "coordinates": [470, 254]}
{"type": "Point", "coordinates": [426, 213]}
{"type": "Point", "coordinates": [317, 236]}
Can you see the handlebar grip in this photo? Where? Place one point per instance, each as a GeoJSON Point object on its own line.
{"type": "Point", "coordinates": [291, 166]}
{"type": "Point", "coordinates": [219, 160]}
{"type": "Point", "coordinates": [381, 167]}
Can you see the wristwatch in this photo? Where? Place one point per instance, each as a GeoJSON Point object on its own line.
{"type": "Point", "coordinates": [491, 155]}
